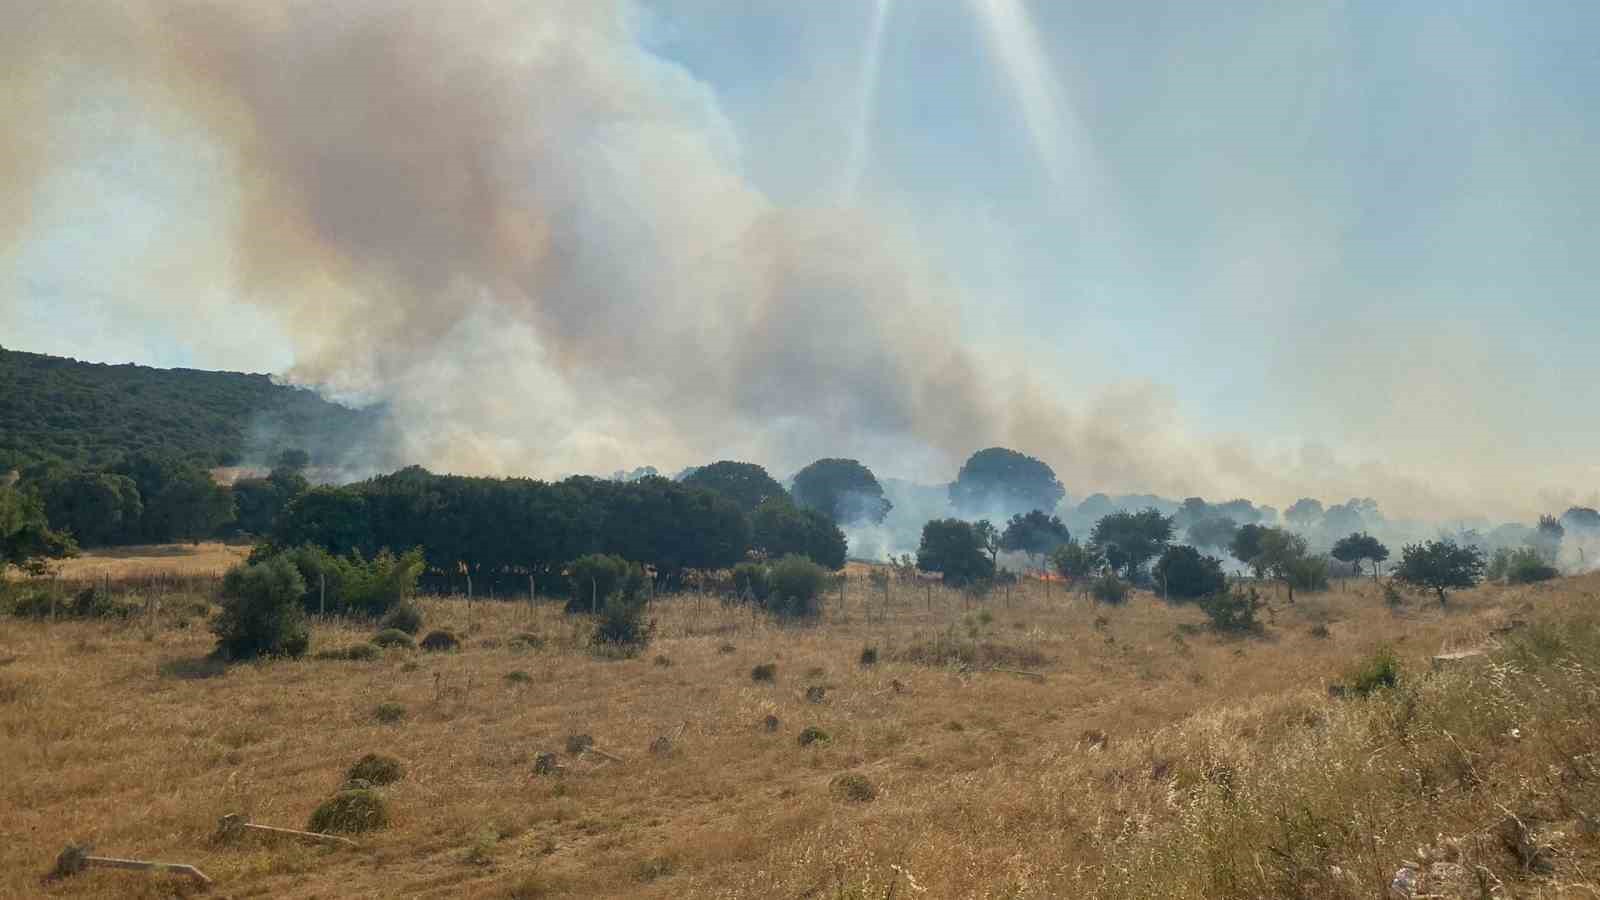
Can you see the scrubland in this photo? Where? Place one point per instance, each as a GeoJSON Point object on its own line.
{"type": "Point", "coordinates": [1030, 744]}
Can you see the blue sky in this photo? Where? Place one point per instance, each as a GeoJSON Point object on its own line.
{"type": "Point", "coordinates": [1358, 229]}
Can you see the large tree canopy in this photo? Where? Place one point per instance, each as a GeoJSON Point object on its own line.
{"type": "Point", "coordinates": [1035, 533]}
{"type": "Point", "coordinates": [1005, 480]}
{"type": "Point", "coordinates": [841, 489]}
{"type": "Point", "coordinates": [780, 528]}
{"type": "Point", "coordinates": [955, 548]}
{"type": "Point", "coordinates": [1361, 547]}
{"type": "Point", "coordinates": [746, 484]}
{"type": "Point", "coordinates": [1441, 565]}
{"type": "Point", "coordinates": [26, 541]}
{"type": "Point", "coordinates": [1132, 539]}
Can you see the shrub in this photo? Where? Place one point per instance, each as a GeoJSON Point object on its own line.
{"type": "Point", "coordinates": [1183, 573]}
{"type": "Point", "coordinates": [1308, 573]}
{"type": "Point", "coordinates": [261, 614]}
{"type": "Point", "coordinates": [394, 637]}
{"type": "Point", "coordinates": [389, 713]}
{"type": "Point", "coordinates": [353, 585]}
{"type": "Point", "coordinates": [519, 677]}
{"type": "Point", "coordinates": [377, 768]}
{"type": "Point", "coordinates": [869, 656]}
{"type": "Point", "coordinates": [622, 627]}
{"type": "Point", "coordinates": [764, 672]}
{"type": "Point", "coordinates": [1233, 611]}
{"type": "Point", "coordinates": [592, 579]}
{"type": "Point", "coordinates": [440, 640]}
{"type": "Point", "coordinates": [350, 812]}
{"type": "Point", "coordinates": [811, 734]}
{"type": "Point", "coordinates": [796, 588]}
{"type": "Point", "coordinates": [752, 580]}
{"type": "Point", "coordinates": [404, 616]}
{"type": "Point", "coordinates": [1526, 566]}
{"type": "Point", "coordinates": [354, 652]}
{"type": "Point", "coordinates": [1108, 588]}
{"type": "Point", "coordinates": [1380, 670]}
{"type": "Point", "coordinates": [854, 788]}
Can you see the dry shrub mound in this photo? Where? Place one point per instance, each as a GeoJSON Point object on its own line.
{"type": "Point", "coordinates": [389, 713]}
{"type": "Point", "coordinates": [377, 768]}
{"type": "Point", "coordinates": [526, 640]}
{"type": "Point", "coordinates": [350, 812]}
{"type": "Point", "coordinates": [355, 652]}
{"type": "Point", "coordinates": [869, 656]}
{"type": "Point", "coordinates": [764, 672]}
{"type": "Point", "coordinates": [577, 743]}
{"type": "Point", "coordinates": [519, 677]}
{"type": "Point", "coordinates": [854, 788]}
{"type": "Point", "coordinates": [440, 640]}
{"type": "Point", "coordinates": [811, 734]}
{"type": "Point", "coordinates": [404, 616]}
{"type": "Point", "coordinates": [951, 649]}
{"type": "Point", "coordinates": [394, 637]}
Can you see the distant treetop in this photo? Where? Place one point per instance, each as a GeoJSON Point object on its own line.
{"type": "Point", "coordinates": [998, 478]}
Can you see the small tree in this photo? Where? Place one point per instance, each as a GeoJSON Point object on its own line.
{"type": "Point", "coordinates": [26, 541]}
{"type": "Point", "coordinates": [955, 549]}
{"type": "Point", "coordinates": [1246, 547]}
{"type": "Point", "coordinates": [841, 489]}
{"type": "Point", "coordinates": [1036, 534]}
{"type": "Point", "coordinates": [1132, 539]}
{"type": "Point", "coordinates": [261, 614]}
{"type": "Point", "coordinates": [1525, 566]}
{"type": "Point", "coordinates": [1232, 610]}
{"type": "Point", "coordinates": [989, 538]}
{"type": "Point", "coordinates": [1361, 547]}
{"type": "Point", "coordinates": [1184, 573]}
{"type": "Point", "coordinates": [1546, 538]}
{"type": "Point", "coordinates": [1282, 555]}
{"type": "Point", "coordinates": [752, 580]}
{"type": "Point", "coordinates": [1073, 560]}
{"type": "Point", "coordinates": [1440, 565]}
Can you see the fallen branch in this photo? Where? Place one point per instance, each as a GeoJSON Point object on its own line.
{"type": "Point", "coordinates": [1034, 675]}
{"type": "Point", "coordinates": [233, 826]}
{"type": "Point", "coordinates": [75, 859]}
{"type": "Point", "coordinates": [603, 754]}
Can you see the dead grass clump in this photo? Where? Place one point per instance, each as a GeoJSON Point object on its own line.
{"type": "Point", "coordinates": [1320, 632]}
{"type": "Point", "coordinates": [725, 649]}
{"type": "Point", "coordinates": [577, 743]}
{"type": "Point", "coordinates": [854, 788]}
{"type": "Point", "coordinates": [816, 693]}
{"type": "Point", "coordinates": [948, 648]}
{"type": "Point", "coordinates": [389, 713]}
{"type": "Point", "coordinates": [440, 640]}
{"type": "Point", "coordinates": [869, 656]}
{"type": "Point", "coordinates": [770, 723]}
{"type": "Point", "coordinates": [764, 672]}
{"type": "Point", "coordinates": [663, 661]}
{"type": "Point", "coordinates": [350, 812]}
{"type": "Point", "coordinates": [377, 768]}
{"type": "Point", "coordinates": [526, 640]}
{"type": "Point", "coordinates": [394, 637]}
{"type": "Point", "coordinates": [655, 867]}
{"type": "Point", "coordinates": [404, 616]}
{"type": "Point", "coordinates": [519, 677]}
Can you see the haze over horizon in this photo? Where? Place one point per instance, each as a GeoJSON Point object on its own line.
{"type": "Point", "coordinates": [1344, 250]}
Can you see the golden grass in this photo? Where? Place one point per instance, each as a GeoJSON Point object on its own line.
{"type": "Point", "coordinates": [205, 558]}
{"type": "Point", "coordinates": [987, 783]}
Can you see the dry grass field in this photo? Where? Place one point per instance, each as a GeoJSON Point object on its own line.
{"type": "Point", "coordinates": [1152, 759]}
{"type": "Point", "coordinates": [144, 561]}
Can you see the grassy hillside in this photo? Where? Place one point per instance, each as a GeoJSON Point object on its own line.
{"type": "Point", "coordinates": [92, 414]}
{"type": "Point", "coordinates": [1151, 759]}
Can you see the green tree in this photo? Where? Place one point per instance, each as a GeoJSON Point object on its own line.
{"type": "Point", "coordinates": [841, 489]}
{"type": "Point", "coordinates": [746, 484]}
{"type": "Point", "coordinates": [335, 519]}
{"type": "Point", "coordinates": [989, 539]}
{"type": "Point", "coordinates": [181, 502]}
{"type": "Point", "coordinates": [1440, 565]}
{"type": "Point", "coordinates": [26, 541]}
{"type": "Point", "coordinates": [1282, 556]}
{"type": "Point", "coordinates": [780, 528]}
{"type": "Point", "coordinates": [998, 478]}
{"type": "Point", "coordinates": [1361, 547]}
{"type": "Point", "coordinates": [795, 587]}
{"type": "Point", "coordinates": [955, 549]}
{"type": "Point", "coordinates": [1546, 538]}
{"type": "Point", "coordinates": [1184, 573]}
{"type": "Point", "coordinates": [1304, 514]}
{"type": "Point", "coordinates": [1074, 560]}
{"type": "Point", "coordinates": [1581, 518]}
{"type": "Point", "coordinates": [1036, 534]}
{"type": "Point", "coordinates": [593, 579]}
{"type": "Point", "coordinates": [1214, 532]}
{"type": "Point", "coordinates": [97, 508]}
{"type": "Point", "coordinates": [1246, 546]}
{"type": "Point", "coordinates": [1132, 539]}
{"type": "Point", "coordinates": [259, 501]}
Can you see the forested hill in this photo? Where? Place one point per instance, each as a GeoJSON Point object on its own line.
{"type": "Point", "coordinates": [90, 414]}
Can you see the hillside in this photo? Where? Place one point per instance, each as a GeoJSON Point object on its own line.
{"type": "Point", "coordinates": [92, 414]}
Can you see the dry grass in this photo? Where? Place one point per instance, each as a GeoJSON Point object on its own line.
{"type": "Point", "coordinates": [205, 558]}
{"type": "Point", "coordinates": [985, 783]}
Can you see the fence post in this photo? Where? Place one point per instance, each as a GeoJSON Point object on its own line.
{"type": "Point", "coordinates": [322, 594]}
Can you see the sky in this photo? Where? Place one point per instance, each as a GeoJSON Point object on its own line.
{"type": "Point", "coordinates": [1340, 249]}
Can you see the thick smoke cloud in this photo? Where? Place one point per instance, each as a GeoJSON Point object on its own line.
{"type": "Point", "coordinates": [534, 241]}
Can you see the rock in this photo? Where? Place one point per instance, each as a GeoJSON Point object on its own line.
{"type": "Point", "coordinates": [661, 746]}
{"type": "Point", "coordinates": [577, 743]}
{"type": "Point", "coordinates": [816, 693]}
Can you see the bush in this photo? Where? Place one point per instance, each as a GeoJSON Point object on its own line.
{"type": "Point", "coordinates": [811, 734]}
{"type": "Point", "coordinates": [1183, 573]}
{"type": "Point", "coordinates": [376, 768]}
{"type": "Point", "coordinates": [1526, 566]}
{"type": "Point", "coordinates": [261, 614]}
{"type": "Point", "coordinates": [869, 656]}
{"type": "Point", "coordinates": [394, 637]}
{"type": "Point", "coordinates": [796, 588]}
{"type": "Point", "coordinates": [518, 676]}
{"type": "Point", "coordinates": [353, 585]}
{"type": "Point", "coordinates": [1380, 670]}
{"type": "Point", "coordinates": [440, 640]}
{"type": "Point", "coordinates": [592, 579]}
{"type": "Point", "coordinates": [350, 812]}
{"type": "Point", "coordinates": [854, 788]}
{"type": "Point", "coordinates": [622, 626]}
{"type": "Point", "coordinates": [355, 652]}
{"type": "Point", "coordinates": [389, 713]}
{"type": "Point", "coordinates": [1308, 573]}
{"type": "Point", "coordinates": [404, 616]}
{"type": "Point", "coordinates": [1233, 611]}
{"type": "Point", "coordinates": [1108, 588]}
{"type": "Point", "coordinates": [764, 672]}
{"type": "Point", "coordinates": [752, 580]}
